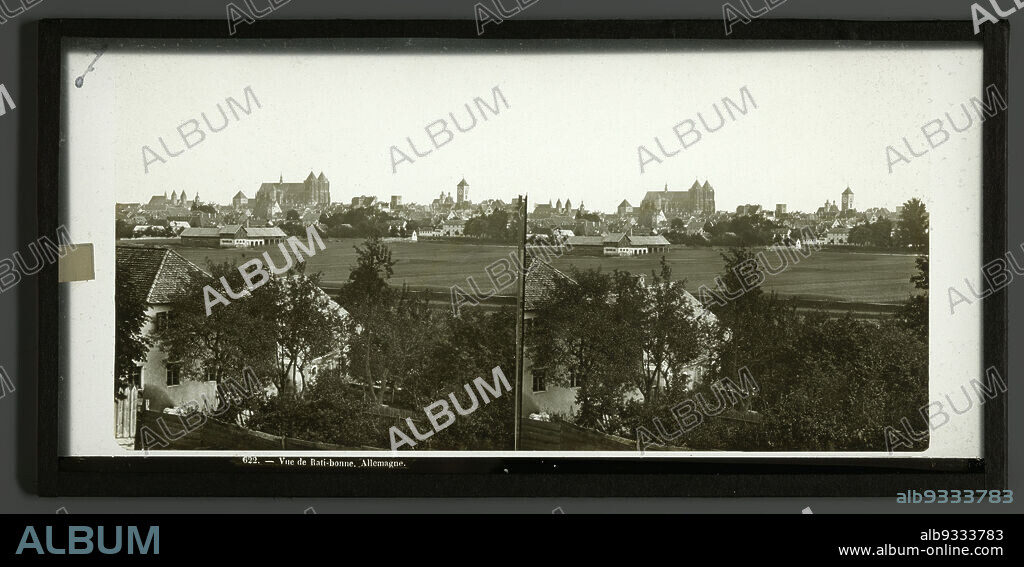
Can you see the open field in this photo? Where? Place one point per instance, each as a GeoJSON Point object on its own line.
{"type": "Point", "coordinates": [434, 266]}
{"type": "Point", "coordinates": [832, 275]}
{"type": "Point", "coordinates": [870, 277]}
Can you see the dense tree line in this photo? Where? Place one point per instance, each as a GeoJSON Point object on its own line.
{"type": "Point", "coordinates": [498, 226]}
{"type": "Point", "coordinates": [357, 223]}
{"type": "Point", "coordinates": [823, 382]}
{"type": "Point", "coordinates": [390, 348]}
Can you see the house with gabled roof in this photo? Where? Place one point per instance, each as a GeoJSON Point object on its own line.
{"type": "Point", "coordinates": [540, 395]}
{"type": "Point", "coordinates": [619, 244]}
{"type": "Point", "coordinates": [157, 274]}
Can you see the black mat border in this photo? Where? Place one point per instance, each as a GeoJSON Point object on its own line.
{"type": "Point", "coordinates": [522, 476]}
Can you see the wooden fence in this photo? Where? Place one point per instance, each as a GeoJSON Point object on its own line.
{"type": "Point", "coordinates": [126, 415]}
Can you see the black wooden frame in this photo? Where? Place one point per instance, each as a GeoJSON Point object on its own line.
{"type": "Point", "coordinates": [521, 475]}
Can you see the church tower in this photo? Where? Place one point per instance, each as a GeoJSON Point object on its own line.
{"type": "Point", "coordinates": [323, 195]}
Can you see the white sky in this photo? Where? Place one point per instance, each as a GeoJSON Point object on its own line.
{"type": "Point", "coordinates": [574, 122]}
{"type": "Point", "coordinates": [823, 121]}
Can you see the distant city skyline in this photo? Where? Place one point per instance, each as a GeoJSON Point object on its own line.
{"type": "Point", "coordinates": [475, 198]}
{"type": "Point", "coordinates": [825, 114]}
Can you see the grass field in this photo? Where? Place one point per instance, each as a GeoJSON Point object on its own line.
{"type": "Point", "coordinates": [422, 265]}
{"type": "Point", "coordinates": [874, 277]}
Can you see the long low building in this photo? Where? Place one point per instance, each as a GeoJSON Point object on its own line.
{"type": "Point", "coordinates": [618, 244]}
{"type": "Point", "coordinates": [232, 236]}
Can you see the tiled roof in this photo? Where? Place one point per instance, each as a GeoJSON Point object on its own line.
{"type": "Point", "coordinates": [657, 240]}
{"type": "Point", "coordinates": [540, 282]}
{"type": "Point", "coordinates": [264, 231]}
{"type": "Point", "coordinates": [614, 237]}
{"type": "Point", "coordinates": [158, 273]}
{"type": "Point", "coordinates": [667, 195]}
{"type": "Point", "coordinates": [586, 240]}
{"type": "Point", "coordinates": [200, 232]}
{"type": "Point", "coordinates": [230, 229]}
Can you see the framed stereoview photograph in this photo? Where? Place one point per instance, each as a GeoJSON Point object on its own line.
{"type": "Point", "coordinates": [522, 258]}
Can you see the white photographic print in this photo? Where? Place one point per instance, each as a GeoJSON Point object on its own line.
{"type": "Point", "coordinates": [743, 250]}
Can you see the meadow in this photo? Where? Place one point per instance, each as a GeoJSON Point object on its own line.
{"type": "Point", "coordinates": [834, 275]}
{"type": "Point", "coordinates": [423, 265]}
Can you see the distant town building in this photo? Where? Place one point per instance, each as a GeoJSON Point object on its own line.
{"type": "Point", "coordinates": [453, 228]}
{"type": "Point", "coordinates": [462, 193]}
{"type": "Point", "coordinates": [618, 244]}
{"type": "Point", "coordinates": [363, 201]}
{"type": "Point", "coordinates": [698, 199]}
{"type": "Point", "coordinates": [780, 209]}
{"type": "Point", "coordinates": [232, 236]}
{"type": "Point", "coordinates": [748, 210]}
{"type": "Point", "coordinates": [442, 203]}
{"type": "Point", "coordinates": [838, 236]}
{"type": "Point", "coordinates": [240, 201]}
{"type": "Point", "coordinates": [847, 200]}
{"type": "Point", "coordinates": [542, 210]}
{"type": "Point", "coordinates": [396, 201]}
{"type": "Point", "coordinates": [165, 203]}
{"type": "Point", "coordinates": [315, 190]}
{"type": "Point", "coordinates": [829, 209]}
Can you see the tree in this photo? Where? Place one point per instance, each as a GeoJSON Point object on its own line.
{"type": "Point", "coordinates": [130, 343]}
{"type": "Point", "coordinates": [912, 228]}
{"type": "Point", "coordinates": [308, 324]}
{"type": "Point", "coordinates": [495, 226]}
{"type": "Point", "coordinates": [878, 233]}
{"type": "Point", "coordinates": [668, 332]}
{"type": "Point", "coordinates": [462, 349]}
{"type": "Point", "coordinates": [913, 314]}
{"type": "Point", "coordinates": [368, 279]}
{"type": "Point", "coordinates": [292, 215]}
{"type": "Point", "coordinates": [328, 412]}
{"type": "Point", "coordinates": [123, 229]}
{"type": "Point", "coordinates": [369, 299]}
{"type": "Point", "coordinates": [219, 345]}
{"type": "Point", "coordinates": [603, 361]}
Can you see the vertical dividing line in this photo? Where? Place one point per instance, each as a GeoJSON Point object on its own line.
{"type": "Point", "coordinates": [519, 321]}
